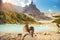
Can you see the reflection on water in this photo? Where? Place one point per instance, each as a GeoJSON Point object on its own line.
{"type": "Point", "coordinates": [17, 28]}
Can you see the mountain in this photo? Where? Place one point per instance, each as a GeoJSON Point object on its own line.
{"type": "Point", "coordinates": [31, 10]}
{"type": "Point", "coordinates": [35, 13]}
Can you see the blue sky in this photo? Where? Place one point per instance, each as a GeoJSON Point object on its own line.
{"type": "Point", "coordinates": [42, 5]}
{"type": "Point", "coordinates": [48, 5]}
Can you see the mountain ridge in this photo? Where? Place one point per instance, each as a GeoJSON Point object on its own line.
{"type": "Point", "coordinates": [30, 10]}
{"type": "Point", "coordinates": [11, 7]}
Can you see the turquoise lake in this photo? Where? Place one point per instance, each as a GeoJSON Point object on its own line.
{"type": "Point", "coordinates": [18, 28]}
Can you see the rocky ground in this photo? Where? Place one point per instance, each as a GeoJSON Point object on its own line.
{"type": "Point", "coordinates": [37, 36]}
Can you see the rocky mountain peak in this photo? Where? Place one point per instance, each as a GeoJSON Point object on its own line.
{"type": "Point", "coordinates": [33, 11]}
{"type": "Point", "coordinates": [32, 8]}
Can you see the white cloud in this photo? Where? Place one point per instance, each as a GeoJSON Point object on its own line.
{"type": "Point", "coordinates": [49, 10]}
{"type": "Point", "coordinates": [18, 2]}
{"type": "Point", "coordinates": [29, 2]}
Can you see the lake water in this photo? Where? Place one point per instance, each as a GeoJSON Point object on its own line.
{"type": "Point", "coordinates": [18, 28]}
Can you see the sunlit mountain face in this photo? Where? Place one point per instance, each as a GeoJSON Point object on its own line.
{"type": "Point", "coordinates": [18, 2]}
